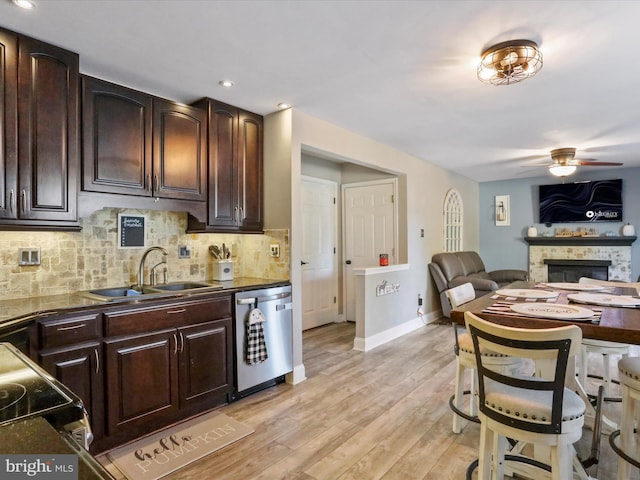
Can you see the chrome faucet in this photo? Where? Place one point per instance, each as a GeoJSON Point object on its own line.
{"type": "Point", "coordinates": [143, 259]}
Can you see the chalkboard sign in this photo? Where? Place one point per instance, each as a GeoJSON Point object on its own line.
{"type": "Point", "coordinates": [131, 230]}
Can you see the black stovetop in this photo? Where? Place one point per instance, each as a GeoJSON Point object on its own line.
{"type": "Point", "coordinates": [28, 391]}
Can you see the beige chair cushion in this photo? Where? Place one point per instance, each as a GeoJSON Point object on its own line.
{"type": "Point", "coordinates": [629, 370]}
{"type": "Point", "coordinates": [530, 405]}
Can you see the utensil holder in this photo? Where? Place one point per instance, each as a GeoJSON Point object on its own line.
{"type": "Point", "coordinates": [223, 270]}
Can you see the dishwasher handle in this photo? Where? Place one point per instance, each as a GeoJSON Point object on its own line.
{"type": "Point", "coordinates": [268, 298]}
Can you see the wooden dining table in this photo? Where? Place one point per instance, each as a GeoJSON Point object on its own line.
{"type": "Point", "coordinates": [614, 324]}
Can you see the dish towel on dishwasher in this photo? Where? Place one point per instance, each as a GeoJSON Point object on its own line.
{"type": "Point", "coordinates": [256, 348]}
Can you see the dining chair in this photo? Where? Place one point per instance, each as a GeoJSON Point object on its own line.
{"type": "Point", "coordinates": [466, 361]}
{"type": "Point", "coordinates": [601, 347]}
{"type": "Point", "coordinates": [628, 451]}
{"type": "Point", "coordinates": [537, 410]}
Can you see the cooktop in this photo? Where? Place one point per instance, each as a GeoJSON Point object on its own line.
{"type": "Point", "coordinates": [26, 390]}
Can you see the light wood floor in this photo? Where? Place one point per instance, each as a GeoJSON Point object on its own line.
{"type": "Point", "coordinates": [378, 415]}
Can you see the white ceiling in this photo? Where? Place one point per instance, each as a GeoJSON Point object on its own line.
{"type": "Point", "coordinates": [400, 72]}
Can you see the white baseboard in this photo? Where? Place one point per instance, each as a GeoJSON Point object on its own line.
{"type": "Point", "coordinates": [297, 375]}
{"type": "Point", "coordinates": [369, 343]}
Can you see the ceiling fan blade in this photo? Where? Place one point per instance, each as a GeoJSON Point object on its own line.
{"type": "Point", "coordinates": [599, 164]}
{"type": "Point", "coordinates": [537, 164]}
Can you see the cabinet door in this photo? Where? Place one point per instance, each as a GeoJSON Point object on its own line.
{"type": "Point", "coordinates": [8, 124]}
{"type": "Point", "coordinates": [249, 171]}
{"type": "Point", "coordinates": [80, 370]}
{"type": "Point", "coordinates": [223, 186]}
{"type": "Point", "coordinates": [206, 363]}
{"type": "Point", "coordinates": [116, 148]}
{"type": "Point", "coordinates": [179, 151]}
{"type": "Point", "coordinates": [48, 131]}
{"type": "Point", "coordinates": [141, 380]}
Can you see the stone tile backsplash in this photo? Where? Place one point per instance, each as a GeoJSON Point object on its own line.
{"type": "Point", "coordinates": [73, 261]}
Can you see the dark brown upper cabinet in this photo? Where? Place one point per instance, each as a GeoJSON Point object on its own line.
{"type": "Point", "coordinates": [39, 141]}
{"type": "Point", "coordinates": [136, 144]}
{"type": "Point", "coordinates": [179, 151]}
{"type": "Point", "coordinates": [116, 122]}
{"type": "Point", "coordinates": [235, 168]}
{"type": "Point", "coordinates": [9, 123]}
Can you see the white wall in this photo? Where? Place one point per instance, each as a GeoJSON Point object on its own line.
{"type": "Point", "coordinates": [426, 186]}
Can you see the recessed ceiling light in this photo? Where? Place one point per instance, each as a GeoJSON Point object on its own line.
{"type": "Point", "coordinates": [26, 4]}
{"type": "Point", "coordinates": [226, 83]}
{"type": "Point", "coordinates": [284, 105]}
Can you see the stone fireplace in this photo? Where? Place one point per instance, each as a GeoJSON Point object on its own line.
{"type": "Point", "coordinates": [566, 259]}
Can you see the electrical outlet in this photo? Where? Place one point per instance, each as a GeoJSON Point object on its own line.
{"type": "Point", "coordinates": [183, 251]}
{"type": "Point", "coordinates": [275, 250]}
{"type": "Point", "coordinates": [29, 256]}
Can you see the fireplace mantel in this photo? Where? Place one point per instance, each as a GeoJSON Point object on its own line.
{"type": "Point", "coordinates": [582, 241]}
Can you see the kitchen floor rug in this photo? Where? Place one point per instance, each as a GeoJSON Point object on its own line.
{"type": "Point", "coordinates": [166, 451]}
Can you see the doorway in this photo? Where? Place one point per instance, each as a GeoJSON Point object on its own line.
{"type": "Point", "coordinates": [370, 229]}
{"type": "Point", "coordinates": [319, 252]}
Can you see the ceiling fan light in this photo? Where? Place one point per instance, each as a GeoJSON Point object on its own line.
{"type": "Point", "coordinates": [486, 73]}
{"type": "Point", "coordinates": [562, 170]}
{"type": "Point", "coordinates": [509, 62]}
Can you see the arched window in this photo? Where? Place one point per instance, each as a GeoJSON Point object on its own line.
{"type": "Point", "coordinates": [453, 215]}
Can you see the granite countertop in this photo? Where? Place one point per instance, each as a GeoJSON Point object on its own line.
{"type": "Point", "coordinates": [15, 313]}
{"type": "Point", "coordinates": [35, 436]}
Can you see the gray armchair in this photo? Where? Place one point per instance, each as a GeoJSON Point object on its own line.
{"type": "Point", "coordinates": [455, 268]}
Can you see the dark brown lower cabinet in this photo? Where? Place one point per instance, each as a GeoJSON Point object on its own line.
{"type": "Point", "coordinates": [141, 367]}
{"type": "Point", "coordinates": [206, 362]}
{"type": "Point", "coordinates": [157, 376]}
{"type": "Point", "coordinates": [80, 370]}
{"type": "Point", "coordinates": [142, 380]}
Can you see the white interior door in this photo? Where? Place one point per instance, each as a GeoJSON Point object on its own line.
{"type": "Point", "coordinates": [369, 229]}
{"type": "Point", "coordinates": [319, 242]}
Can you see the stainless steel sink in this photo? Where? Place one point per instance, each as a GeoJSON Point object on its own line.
{"type": "Point", "coordinates": [106, 294]}
{"type": "Point", "coordinates": [182, 286]}
{"type": "Point", "coordinates": [128, 293]}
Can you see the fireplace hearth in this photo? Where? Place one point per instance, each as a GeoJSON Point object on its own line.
{"type": "Point", "coordinates": [565, 270]}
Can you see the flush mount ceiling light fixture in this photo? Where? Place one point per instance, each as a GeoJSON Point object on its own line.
{"type": "Point", "coordinates": [509, 62]}
{"type": "Point", "coordinates": [226, 83]}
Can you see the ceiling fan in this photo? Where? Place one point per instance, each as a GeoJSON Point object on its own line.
{"type": "Point", "coordinates": [565, 163]}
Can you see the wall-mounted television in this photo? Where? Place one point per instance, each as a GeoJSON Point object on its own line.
{"type": "Point", "coordinates": [594, 201]}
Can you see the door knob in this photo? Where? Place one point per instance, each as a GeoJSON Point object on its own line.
{"type": "Point", "coordinates": [348, 262]}
{"type": "Point", "coordinates": [304, 263]}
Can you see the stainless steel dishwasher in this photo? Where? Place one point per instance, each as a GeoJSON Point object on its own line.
{"type": "Point", "coordinates": [275, 304]}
